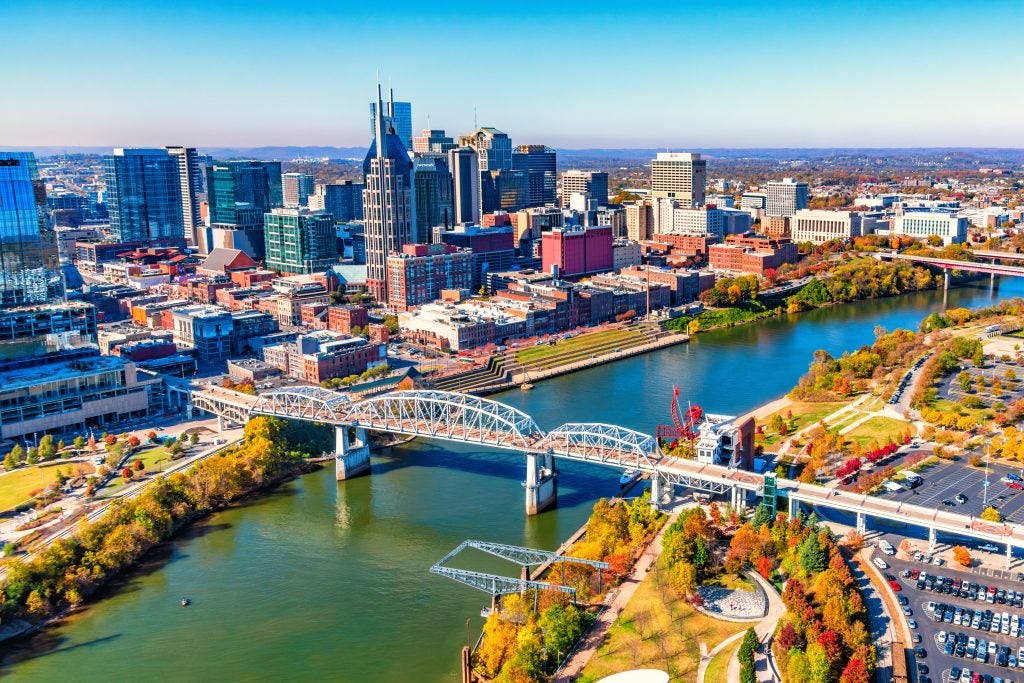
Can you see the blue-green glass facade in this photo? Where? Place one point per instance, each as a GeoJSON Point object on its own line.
{"type": "Point", "coordinates": [234, 185]}
{"type": "Point", "coordinates": [143, 195]}
{"type": "Point", "coordinates": [29, 268]}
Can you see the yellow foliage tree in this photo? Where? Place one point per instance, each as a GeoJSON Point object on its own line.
{"type": "Point", "coordinates": [992, 515]}
{"type": "Point", "coordinates": [962, 555]}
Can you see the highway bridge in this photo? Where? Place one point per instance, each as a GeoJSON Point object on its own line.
{"type": "Point", "coordinates": [463, 418]}
{"type": "Point", "coordinates": [992, 268]}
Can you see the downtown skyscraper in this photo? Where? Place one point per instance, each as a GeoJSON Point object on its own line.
{"type": "Point", "coordinates": [144, 195]}
{"type": "Point", "coordinates": [29, 269]}
{"type": "Point", "coordinates": [388, 203]}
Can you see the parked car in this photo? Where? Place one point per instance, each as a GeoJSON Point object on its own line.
{"type": "Point", "coordinates": [988, 547]}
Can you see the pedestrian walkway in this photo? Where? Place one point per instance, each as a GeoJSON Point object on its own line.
{"type": "Point", "coordinates": [764, 629]}
{"type": "Point", "coordinates": [572, 669]}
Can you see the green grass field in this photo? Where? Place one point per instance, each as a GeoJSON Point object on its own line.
{"type": "Point", "coordinates": [16, 485]}
{"type": "Point", "coordinates": [718, 668]}
{"type": "Point", "coordinates": [152, 456]}
{"type": "Point", "coordinates": [878, 429]}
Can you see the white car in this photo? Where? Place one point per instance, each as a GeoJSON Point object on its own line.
{"type": "Point", "coordinates": [988, 547]}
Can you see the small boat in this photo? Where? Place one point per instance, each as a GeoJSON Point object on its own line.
{"type": "Point", "coordinates": [526, 386]}
{"type": "Point", "coordinates": [185, 602]}
{"type": "Point", "coordinates": [629, 476]}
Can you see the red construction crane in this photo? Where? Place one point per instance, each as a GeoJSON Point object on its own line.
{"type": "Point", "coordinates": [684, 424]}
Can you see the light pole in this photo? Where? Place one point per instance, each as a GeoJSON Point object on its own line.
{"type": "Point", "coordinates": [988, 450]}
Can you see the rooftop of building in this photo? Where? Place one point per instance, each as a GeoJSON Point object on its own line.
{"type": "Point", "coordinates": [35, 375]}
{"type": "Point", "coordinates": [202, 311]}
{"type": "Point", "coordinates": [55, 307]}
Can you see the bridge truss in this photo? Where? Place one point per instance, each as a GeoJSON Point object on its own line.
{"type": "Point", "coordinates": [495, 584]}
{"type": "Point", "coordinates": [604, 444]}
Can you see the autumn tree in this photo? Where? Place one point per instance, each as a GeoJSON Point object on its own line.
{"type": "Point", "coordinates": [47, 447]}
{"type": "Point", "coordinates": [991, 514]}
{"type": "Point", "coordinates": [962, 555]}
{"type": "Point", "coordinates": [133, 441]}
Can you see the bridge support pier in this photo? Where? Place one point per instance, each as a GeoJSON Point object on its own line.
{"type": "Point", "coordinates": [1009, 555]}
{"type": "Point", "coordinates": [656, 492]}
{"type": "Point", "coordinates": [220, 423]}
{"type": "Point", "coordinates": [792, 508]}
{"type": "Point", "coordinates": [541, 482]}
{"type": "Point", "coordinates": [861, 523]}
{"type": "Point", "coordinates": [931, 540]}
{"type": "Point", "coordinates": [945, 278]}
{"type": "Point", "coordinates": [352, 452]}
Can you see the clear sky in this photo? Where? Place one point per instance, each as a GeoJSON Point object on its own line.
{"type": "Point", "coordinates": [564, 73]}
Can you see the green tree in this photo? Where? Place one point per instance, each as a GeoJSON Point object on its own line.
{"type": "Point", "coordinates": [194, 438]}
{"type": "Point", "coordinates": [47, 447]}
{"type": "Point", "coordinates": [812, 556]}
{"type": "Point", "coordinates": [33, 456]}
{"type": "Point", "coordinates": [79, 442]}
{"type": "Point", "coordinates": [979, 357]}
{"type": "Point", "coordinates": [10, 462]}
{"type": "Point", "coordinates": [965, 380]}
{"type": "Point", "coordinates": [391, 322]}
{"type": "Point", "coordinates": [776, 423]}
{"type": "Point", "coordinates": [761, 517]}
{"type": "Point", "coordinates": [18, 452]}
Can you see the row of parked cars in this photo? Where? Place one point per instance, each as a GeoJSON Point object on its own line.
{"type": "Point", "coordinates": [956, 675]}
{"type": "Point", "coordinates": [962, 588]}
{"type": "Point", "coordinates": [987, 620]}
{"type": "Point", "coordinates": [968, 647]}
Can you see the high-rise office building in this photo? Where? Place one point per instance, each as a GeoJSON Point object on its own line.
{"type": "Point", "coordinates": [594, 183]}
{"type": "Point", "coordinates": [239, 193]}
{"type": "Point", "coordinates": [29, 267]}
{"type": "Point", "coordinates": [432, 189]}
{"type": "Point", "coordinates": [299, 242]}
{"type": "Point", "coordinates": [190, 178]}
{"type": "Point", "coordinates": [242, 184]}
{"type": "Point", "coordinates": [506, 190]}
{"type": "Point", "coordinates": [401, 117]}
{"type": "Point", "coordinates": [296, 188]}
{"type": "Point", "coordinates": [785, 197]}
{"type": "Point", "coordinates": [681, 176]}
{"type": "Point", "coordinates": [465, 170]}
{"type": "Point", "coordinates": [540, 165]}
{"type": "Point", "coordinates": [143, 195]}
{"type": "Point", "coordinates": [432, 142]}
{"type": "Point", "coordinates": [344, 200]}
{"type": "Point", "coordinates": [389, 213]}
{"type": "Point", "coordinates": [493, 148]}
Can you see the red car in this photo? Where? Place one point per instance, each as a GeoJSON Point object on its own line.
{"type": "Point", "coordinates": [1015, 485]}
{"type": "Point", "coordinates": [895, 586]}
{"type": "Point", "coordinates": [914, 574]}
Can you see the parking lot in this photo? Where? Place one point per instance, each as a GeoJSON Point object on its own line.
{"type": "Point", "coordinates": [936, 662]}
{"type": "Point", "coordinates": [944, 481]}
{"type": "Point", "coordinates": [949, 386]}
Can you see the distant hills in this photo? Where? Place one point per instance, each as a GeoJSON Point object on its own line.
{"type": "Point", "coordinates": [980, 155]}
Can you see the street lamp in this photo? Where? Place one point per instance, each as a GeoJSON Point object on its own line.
{"type": "Point", "coordinates": [988, 450]}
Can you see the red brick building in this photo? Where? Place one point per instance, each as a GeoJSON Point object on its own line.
{"type": "Point", "coordinates": [577, 250]}
{"type": "Point", "coordinates": [344, 318]}
{"type": "Point", "coordinates": [753, 255]}
{"type": "Point", "coordinates": [419, 272]}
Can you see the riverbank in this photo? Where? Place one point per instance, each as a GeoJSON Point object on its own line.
{"type": "Point", "coordinates": [62, 577]}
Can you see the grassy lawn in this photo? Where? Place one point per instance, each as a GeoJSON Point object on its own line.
{"type": "Point", "coordinates": [15, 486]}
{"type": "Point", "coordinates": [947, 406]}
{"type": "Point", "coordinates": [718, 667]}
{"type": "Point", "coordinates": [732, 582]}
{"type": "Point", "coordinates": [150, 456]}
{"type": "Point", "coordinates": [658, 630]}
{"type": "Point", "coordinates": [579, 347]}
{"type": "Point", "coordinates": [876, 429]}
{"type": "Point", "coordinates": [806, 413]}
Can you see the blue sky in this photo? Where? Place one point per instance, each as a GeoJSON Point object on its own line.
{"type": "Point", "coordinates": [569, 74]}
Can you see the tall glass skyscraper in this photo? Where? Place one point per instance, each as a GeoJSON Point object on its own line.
{"type": "Point", "coordinates": [143, 195]}
{"type": "Point", "coordinates": [432, 185]}
{"type": "Point", "coordinates": [401, 115]}
{"type": "Point", "coordinates": [389, 210]}
{"type": "Point", "coordinates": [233, 185]}
{"type": "Point", "coordinates": [29, 268]}
{"type": "Point", "coordinates": [540, 165]}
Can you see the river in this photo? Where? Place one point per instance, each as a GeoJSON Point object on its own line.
{"type": "Point", "coordinates": [325, 580]}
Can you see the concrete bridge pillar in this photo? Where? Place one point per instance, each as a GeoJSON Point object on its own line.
{"type": "Point", "coordinates": [1009, 555]}
{"type": "Point", "coordinates": [352, 452]}
{"type": "Point", "coordinates": [861, 523]}
{"type": "Point", "coordinates": [656, 491]}
{"type": "Point", "coordinates": [931, 540]}
{"type": "Point", "coordinates": [541, 482]}
{"type": "Point", "coordinates": [792, 508]}
{"type": "Point", "coordinates": [945, 278]}
{"type": "Point", "coordinates": [220, 423]}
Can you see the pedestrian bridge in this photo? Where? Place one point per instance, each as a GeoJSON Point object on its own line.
{"type": "Point", "coordinates": [464, 418]}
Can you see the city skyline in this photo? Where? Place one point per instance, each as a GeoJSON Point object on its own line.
{"type": "Point", "coordinates": [714, 74]}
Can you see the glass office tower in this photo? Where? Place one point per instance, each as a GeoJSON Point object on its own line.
{"type": "Point", "coordinates": [143, 195]}
{"type": "Point", "coordinates": [29, 268]}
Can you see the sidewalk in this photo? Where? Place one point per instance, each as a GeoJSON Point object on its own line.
{"type": "Point", "coordinates": [595, 637]}
{"type": "Point", "coordinates": [764, 630]}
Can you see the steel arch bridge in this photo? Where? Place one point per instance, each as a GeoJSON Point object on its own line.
{"type": "Point", "coordinates": [602, 444]}
{"type": "Point", "coordinates": [447, 415]}
{"type": "Point", "coordinates": [304, 403]}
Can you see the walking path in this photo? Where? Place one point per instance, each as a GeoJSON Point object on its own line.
{"type": "Point", "coordinates": [572, 669]}
{"type": "Point", "coordinates": [764, 630]}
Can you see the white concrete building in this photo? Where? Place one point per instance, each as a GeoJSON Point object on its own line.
{"type": "Point", "coordinates": [818, 225]}
{"type": "Point", "coordinates": [922, 224]}
{"type": "Point", "coordinates": [785, 197]}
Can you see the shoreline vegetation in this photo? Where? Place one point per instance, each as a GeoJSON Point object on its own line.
{"type": "Point", "coordinates": [736, 301]}
{"type": "Point", "coordinates": [64, 575]}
